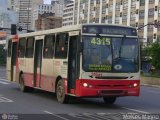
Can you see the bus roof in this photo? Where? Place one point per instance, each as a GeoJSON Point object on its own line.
{"type": "Point", "coordinates": [65, 29]}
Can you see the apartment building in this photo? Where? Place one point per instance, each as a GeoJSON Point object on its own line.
{"type": "Point", "coordinates": [68, 12]}
{"type": "Point", "coordinates": [41, 9]}
{"type": "Point", "coordinates": [127, 12]}
{"type": "Point", "coordinates": [24, 8]}
{"type": "Point", "coordinates": [48, 21]}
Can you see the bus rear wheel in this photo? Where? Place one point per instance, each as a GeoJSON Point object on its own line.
{"type": "Point", "coordinates": [109, 100]}
{"type": "Point", "coordinates": [60, 93]}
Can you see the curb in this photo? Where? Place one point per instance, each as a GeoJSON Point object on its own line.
{"type": "Point", "coordinates": [156, 86]}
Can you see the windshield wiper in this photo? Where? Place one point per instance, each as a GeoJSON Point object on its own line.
{"type": "Point", "coordinates": [120, 49]}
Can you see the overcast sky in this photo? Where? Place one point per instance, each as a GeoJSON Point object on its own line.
{"type": "Point", "coordinates": [49, 1]}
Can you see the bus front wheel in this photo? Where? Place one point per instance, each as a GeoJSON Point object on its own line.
{"type": "Point", "coordinates": [23, 88]}
{"type": "Point", "coordinates": [109, 100]}
{"type": "Point", "coordinates": [60, 93]}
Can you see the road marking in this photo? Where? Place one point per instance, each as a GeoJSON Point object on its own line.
{"type": "Point", "coordinates": [3, 99]}
{"type": "Point", "coordinates": [55, 115]}
{"type": "Point", "coordinates": [89, 115]}
{"type": "Point", "coordinates": [5, 83]}
{"type": "Point", "coordinates": [3, 79]}
{"type": "Point", "coordinates": [78, 116]}
{"type": "Point", "coordinates": [136, 110]}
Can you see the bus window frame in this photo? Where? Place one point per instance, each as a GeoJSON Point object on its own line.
{"type": "Point", "coordinates": [24, 47]}
{"type": "Point", "coordinates": [57, 56]}
{"type": "Point", "coordinates": [53, 45]}
{"type": "Point", "coordinates": [26, 50]}
{"type": "Point", "coordinates": [9, 51]}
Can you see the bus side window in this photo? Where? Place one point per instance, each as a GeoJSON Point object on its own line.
{"type": "Point", "coordinates": [22, 47]}
{"type": "Point", "coordinates": [61, 45]}
{"type": "Point", "coordinates": [48, 50]}
{"type": "Point", "coordinates": [29, 47]}
{"type": "Point", "coordinates": [9, 48]}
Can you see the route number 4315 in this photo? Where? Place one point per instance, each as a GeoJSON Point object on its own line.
{"type": "Point", "coordinates": [100, 41]}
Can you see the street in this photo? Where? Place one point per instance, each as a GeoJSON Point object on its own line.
{"type": "Point", "coordinates": [13, 101]}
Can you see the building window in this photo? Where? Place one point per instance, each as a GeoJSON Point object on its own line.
{"type": "Point", "coordinates": [151, 1]}
{"type": "Point", "coordinates": [154, 36]}
{"type": "Point", "coordinates": [124, 17]}
{"type": "Point", "coordinates": [156, 8]}
{"type": "Point", "coordinates": [133, 16]}
{"type": "Point", "coordinates": [142, 2]}
{"type": "Point", "coordinates": [141, 14]}
{"type": "Point", "coordinates": [151, 12]}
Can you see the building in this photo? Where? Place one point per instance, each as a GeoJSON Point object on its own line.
{"type": "Point", "coordinates": [11, 4]}
{"type": "Point", "coordinates": [127, 12]}
{"type": "Point", "coordinates": [48, 21]}
{"type": "Point", "coordinates": [68, 12]}
{"type": "Point", "coordinates": [24, 8]}
{"type": "Point", "coordinates": [59, 5]}
{"type": "Point", "coordinates": [62, 2]}
{"type": "Point", "coordinates": [41, 9]}
{"type": "Point", "coordinates": [7, 17]}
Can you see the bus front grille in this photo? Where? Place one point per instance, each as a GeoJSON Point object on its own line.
{"type": "Point", "coordinates": [112, 92]}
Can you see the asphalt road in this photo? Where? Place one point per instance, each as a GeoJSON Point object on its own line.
{"type": "Point", "coordinates": [44, 104]}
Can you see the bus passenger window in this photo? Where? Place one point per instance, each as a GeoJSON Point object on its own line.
{"type": "Point", "coordinates": [61, 45]}
{"type": "Point", "coordinates": [22, 47]}
{"type": "Point", "coordinates": [48, 50]}
{"type": "Point", "coordinates": [30, 47]}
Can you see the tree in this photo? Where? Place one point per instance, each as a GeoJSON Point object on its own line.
{"type": "Point", "coordinates": [3, 54]}
{"type": "Point", "coordinates": [154, 52]}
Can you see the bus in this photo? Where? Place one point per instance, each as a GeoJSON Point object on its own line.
{"type": "Point", "coordinates": [89, 60]}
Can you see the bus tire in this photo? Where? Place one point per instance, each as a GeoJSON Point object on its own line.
{"type": "Point", "coordinates": [109, 100]}
{"type": "Point", "coordinates": [23, 88]}
{"type": "Point", "coordinates": [60, 93]}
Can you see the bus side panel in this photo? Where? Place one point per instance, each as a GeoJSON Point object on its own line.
{"type": "Point", "coordinates": [48, 83]}
{"type": "Point", "coordinates": [48, 76]}
{"type": "Point", "coordinates": [28, 77]}
{"type": "Point", "coordinates": [28, 73]}
{"type": "Point", "coordinates": [8, 74]}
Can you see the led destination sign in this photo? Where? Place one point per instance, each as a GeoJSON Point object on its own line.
{"type": "Point", "coordinates": [110, 30]}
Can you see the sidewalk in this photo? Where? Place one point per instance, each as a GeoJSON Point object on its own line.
{"type": "Point", "coordinates": [150, 81]}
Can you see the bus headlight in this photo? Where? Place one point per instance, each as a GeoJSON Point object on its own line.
{"type": "Point", "coordinates": [135, 85]}
{"type": "Point", "coordinates": [85, 85]}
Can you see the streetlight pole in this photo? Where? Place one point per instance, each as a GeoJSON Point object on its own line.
{"type": "Point", "coordinates": [28, 16]}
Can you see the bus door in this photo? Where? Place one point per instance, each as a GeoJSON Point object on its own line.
{"type": "Point", "coordinates": [38, 61]}
{"type": "Point", "coordinates": [13, 61]}
{"type": "Point", "coordinates": [73, 61]}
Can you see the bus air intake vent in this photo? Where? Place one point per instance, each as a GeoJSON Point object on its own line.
{"type": "Point", "coordinates": [112, 92]}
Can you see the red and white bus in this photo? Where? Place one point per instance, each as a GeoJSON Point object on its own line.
{"type": "Point", "coordinates": [90, 60]}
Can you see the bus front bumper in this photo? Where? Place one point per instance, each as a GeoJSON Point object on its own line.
{"type": "Point", "coordinates": [100, 88]}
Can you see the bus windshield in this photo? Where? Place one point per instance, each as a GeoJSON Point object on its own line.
{"type": "Point", "coordinates": [110, 54]}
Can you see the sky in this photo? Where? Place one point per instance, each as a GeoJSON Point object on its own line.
{"type": "Point", "coordinates": [47, 1]}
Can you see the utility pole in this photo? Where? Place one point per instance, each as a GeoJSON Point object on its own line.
{"type": "Point", "coordinates": [28, 16]}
